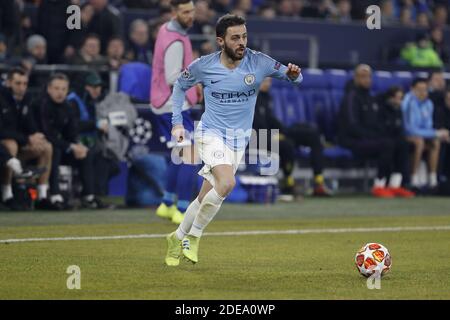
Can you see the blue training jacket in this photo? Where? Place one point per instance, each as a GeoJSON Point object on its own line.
{"type": "Point", "coordinates": [418, 117]}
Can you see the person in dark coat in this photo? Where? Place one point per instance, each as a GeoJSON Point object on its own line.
{"type": "Point", "coordinates": [57, 121]}
{"type": "Point", "coordinates": [442, 121]}
{"type": "Point", "coordinates": [391, 118]}
{"type": "Point", "coordinates": [51, 24]}
{"type": "Point", "coordinates": [361, 131]}
{"type": "Point", "coordinates": [91, 129]}
{"type": "Point", "coordinates": [299, 134]}
{"type": "Point", "coordinates": [20, 136]}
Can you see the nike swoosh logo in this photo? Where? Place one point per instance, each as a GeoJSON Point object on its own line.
{"type": "Point", "coordinates": [212, 82]}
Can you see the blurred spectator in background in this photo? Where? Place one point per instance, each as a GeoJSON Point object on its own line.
{"type": "Point", "coordinates": [115, 53]}
{"type": "Point", "coordinates": [36, 54]}
{"type": "Point", "coordinates": [442, 121]}
{"type": "Point", "coordinates": [422, 20]}
{"type": "Point", "coordinates": [267, 11]}
{"type": "Point", "coordinates": [244, 5]}
{"type": "Point", "coordinates": [417, 111]}
{"type": "Point", "coordinates": [440, 16]}
{"type": "Point", "coordinates": [321, 9]}
{"type": "Point", "coordinates": [299, 134]}
{"type": "Point", "coordinates": [221, 7]}
{"type": "Point", "coordinates": [285, 8]}
{"type": "Point", "coordinates": [36, 50]}
{"type": "Point", "coordinates": [359, 7]}
{"type": "Point", "coordinates": [139, 47]}
{"type": "Point", "coordinates": [165, 12]}
{"type": "Point", "coordinates": [83, 108]}
{"type": "Point", "coordinates": [106, 22]}
{"type": "Point", "coordinates": [361, 131]}
{"type": "Point", "coordinates": [406, 19]}
{"type": "Point", "coordinates": [4, 56]}
{"type": "Point", "coordinates": [436, 88]}
{"type": "Point", "coordinates": [141, 4]}
{"type": "Point", "coordinates": [89, 53]}
{"type": "Point", "coordinates": [10, 23]}
{"type": "Point", "coordinates": [51, 24]}
{"type": "Point", "coordinates": [204, 15]}
{"type": "Point", "coordinates": [387, 13]}
{"type": "Point", "coordinates": [56, 120]}
{"type": "Point", "coordinates": [342, 14]}
{"type": "Point", "coordinates": [76, 37]}
{"type": "Point", "coordinates": [20, 136]}
{"type": "Point", "coordinates": [391, 118]}
{"type": "Point", "coordinates": [421, 53]}
{"type": "Point", "coordinates": [437, 39]}
{"type": "Point", "coordinates": [90, 128]}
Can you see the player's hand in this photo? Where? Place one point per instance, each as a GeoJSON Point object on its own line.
{"type": "Point", "coordinates": [178, 133]}
{"type": "Point", "coordinates": [443, 135]}
{"type": "Point", "coordinates": [293, 71]}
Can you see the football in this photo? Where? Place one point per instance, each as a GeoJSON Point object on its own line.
{"type": "Point", "coordinates": [372, 257]}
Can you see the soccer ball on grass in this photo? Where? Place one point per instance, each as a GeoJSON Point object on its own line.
{"type": "Point", "coordinates": [372, 257]}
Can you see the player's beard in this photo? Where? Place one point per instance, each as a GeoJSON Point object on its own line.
{"type": "Point", "coordinates": [185, 25]}
{"type": "Point", "coordinates": [232, 54]}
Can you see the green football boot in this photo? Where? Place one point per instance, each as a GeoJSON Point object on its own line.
{"type": "Point", "coordinates": [166, 212]}
{"type": "Point", "coordinates": [174, 250]}
{"type": "Point", "coordinates": [190, 248]}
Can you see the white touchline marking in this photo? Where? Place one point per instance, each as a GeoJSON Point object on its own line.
{"type": "Point", "coordinates": [239, 233]}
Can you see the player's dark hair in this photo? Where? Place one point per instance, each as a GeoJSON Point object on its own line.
{"type": "Point", "coordinates": [90, 36]}
{"type": "Point", "coordinates": [57, 76]}
{"type": "Point", "coordinates": [433, 72]}
{"type": "Point", "coordinates": [392, 91]}
{"type": "Point", "coordinates": [417, 81]}
{"type": "Point", "coordinates": [176, 3]}
{"type": "Point", "coordinates": [16, 70]}
{"type": "Point", "coordinates": [226, 21]}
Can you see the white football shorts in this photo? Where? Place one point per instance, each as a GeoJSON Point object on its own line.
{"type": "Point", "coordinates": [213, 151]}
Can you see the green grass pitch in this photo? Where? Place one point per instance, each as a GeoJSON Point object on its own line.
{"type": "Point", "coordinates": [314, 265]}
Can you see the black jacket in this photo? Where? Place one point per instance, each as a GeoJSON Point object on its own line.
{"type": "Point", "coordinates": [264, 117]}
{"type": "Point", "coordinates": [51, 24]}
{"type": "Point", "coordinates": [358, 117]}
{"type": "Point", "coordinates": [438, 99]}
{"type": "Point", "coordinates": [391, 118]}
{"type": "Point", "coordinates": [56, 121]}
{"type": "Point", "coordinates": [16, 118]}
{"type": "Point", "coordinates": [88, 125]}
{"type": "Point", "coordinates": [441, 117]}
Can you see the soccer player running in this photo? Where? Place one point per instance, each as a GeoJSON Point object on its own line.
{"type": "Point", "coordinates": [172, 54]}
{"type": "Point", "coordinates": [231, 79]}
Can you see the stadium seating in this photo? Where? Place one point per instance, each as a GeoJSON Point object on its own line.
{"type": "Point", "coordinates": [135, 79]}
{"type": "Point", "coordinates": [316, 101]}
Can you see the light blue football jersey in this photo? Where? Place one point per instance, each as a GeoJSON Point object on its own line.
{"type": "Point", "coordinates": [230, 94]}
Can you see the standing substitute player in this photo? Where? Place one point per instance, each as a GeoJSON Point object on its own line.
{"type": "Point", "coordinates": [173, 53]}
{"type": "Point", "coordinates": [231, 80]}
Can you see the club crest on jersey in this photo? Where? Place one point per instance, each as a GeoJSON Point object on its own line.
{"type": "Point", "coordinates": [218, 154]}
{"type": "Point", "coordinates": [185, 74]}
{"type": "Point", "coordinates": [249, 79]}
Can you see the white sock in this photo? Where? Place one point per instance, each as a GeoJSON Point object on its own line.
{"type": "Point", "coordinates": [379, 183]}
{"type": "Point", "coordinates": [42, 191]}
{"type": "Point", "coordinates": [415, 181]}
{"type": "Point", "coordinates": [189, 216]}
{"type": "Point", "coordinates": [15, 165]}
{"type": "Point", "coordinates": [6, 192]}
{"type": "Point", "coordinates": [432, 179]}
{"type": "Point", "coordinates": [209, 207]}
{"type": "Point", "coordinates": [56, 198]}
{"type": "Point", "coordinates": [395, 180]}
{"type": "Point", "coordinates": [89, 197]}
